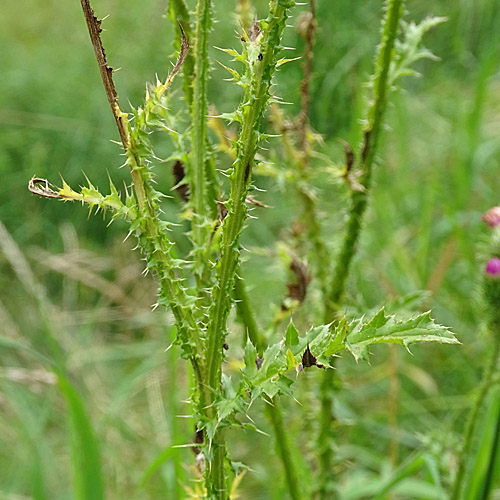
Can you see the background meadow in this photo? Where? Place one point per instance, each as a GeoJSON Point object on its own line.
{"type": "Point", "coordinates": [68, 278]}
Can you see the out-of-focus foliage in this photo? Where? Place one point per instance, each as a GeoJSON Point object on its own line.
{"type": "Point", "coordinates": [401, 418]}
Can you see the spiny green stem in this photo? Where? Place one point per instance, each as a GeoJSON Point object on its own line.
{"type": "Point", "coordinates": [373, 128]}
{"type": "Point", "coordinates": [486, 383]}
{"type": "Point", "coordinates": [252, 109]}
{"type": "Point", "coordinates": [359, 199]}
{"type": "Point", "coordinates": [283, 449]}
{"type": "Point", "coordinates": [327, 431]}
{"type": "Point", "coordinates": [157, 246]}
{"type": "Point", "coordinates": [216, 477]}
{"type": "Point", "coordinates": [197, 164]}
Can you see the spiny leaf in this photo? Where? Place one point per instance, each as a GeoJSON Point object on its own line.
{"type": "Point", "coordinates": [382, 328]}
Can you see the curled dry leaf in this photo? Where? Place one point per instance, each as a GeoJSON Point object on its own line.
{"type": "Point", "coordinates": [43, 188]}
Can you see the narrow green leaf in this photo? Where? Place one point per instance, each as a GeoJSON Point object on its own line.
{"type": "Point", "coordinates": [85, 451]}
{"type": "Point", "coordinates": [292, 335]}
{"type": "Point", "coordinates": [480, 481]}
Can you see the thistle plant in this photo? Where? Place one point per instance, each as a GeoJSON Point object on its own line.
{"type": "Point", "coordinates": [201, 288]}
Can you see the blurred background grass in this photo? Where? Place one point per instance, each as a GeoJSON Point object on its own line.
{"type": "Point", "coordinates": [438, 174]}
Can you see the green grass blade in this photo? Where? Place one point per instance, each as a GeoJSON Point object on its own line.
{"type": "Point", "coordinates": [88, 481]}
{"type": "Point", "coordinates": [480, 480]}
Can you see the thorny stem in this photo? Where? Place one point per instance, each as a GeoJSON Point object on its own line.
{"type": "Point", "coordinates": [252, 110]}
{"type": "Point", "coordinates": [170, 284]}
{"type": "Point", "coordinates": [178, 13]}
{"type": "Point", "coordinates": [372, 130]}
{"type": "Point", "coordinates": [94, 27]}
{"type": "Point", "coordinates": [240, 182]}
{"type": "Point", "coordinates": [486, 383]}
{"type": "Point", "coordinates": [197, 164]}
{"type": "Point", "coordinates": [359, 199]}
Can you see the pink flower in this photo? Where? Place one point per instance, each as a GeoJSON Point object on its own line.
{"type": "Point", "coordinates": [492, 217]}
{"type": "Point", "coordinates": [493, 267]}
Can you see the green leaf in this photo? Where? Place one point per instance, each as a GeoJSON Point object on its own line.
{"type": "Point", "coordinates": [250, 360]}
{"type": "Point", "coordinates": [85, 450]}
{"type": "Point", "coordinates": [480, 481]}
{"type": "Point", "coordinates": [292, 335]}
{"type": "Point", "coordinates": [230, 401]}
{"type": "Point", "coordinates": [291, 360]}
{"type": "Point", "coordinates": [387, 329]}
{"type": "Point", "coordinates": [337, 344]}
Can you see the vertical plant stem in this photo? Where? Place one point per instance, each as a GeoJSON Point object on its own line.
{"type": "Point", "coordinates": [491, 479]}
{"type": "Point", "coordinates": [372, 130]}
{"type": "Point", "coordinates": [153, 231]}
{"type": "Point", "coordinates": [274, 412]}
{"type": "Point", "coordinates": [305, 84]}
{"type": "Point", "coordinates": [327, 432]}
{"type": "Point", "coordinates": [310, 216]}
{"type": "Point", "coordinates": [283, 449]}
{"type": "Point", "coordinates": [197, 176]}
{"type": "Point", "coordinates": [471, 425]}
{"type": "Point", "coordinates": [251, 111]}
{"type": "Point", "coordinates": [359, 199]}
{"type": "Point", "coordinates": [173, 405]}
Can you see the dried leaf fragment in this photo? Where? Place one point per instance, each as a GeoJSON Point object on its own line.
{"type": "Point", "coordinates": [43, 188]}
